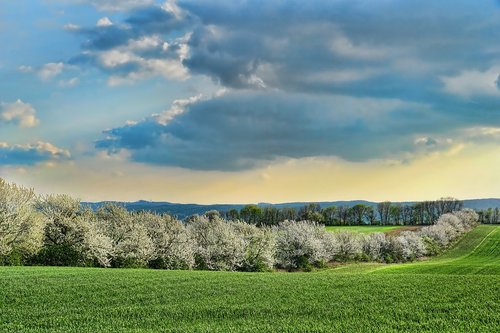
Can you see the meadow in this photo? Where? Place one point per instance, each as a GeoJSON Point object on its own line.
{"type": "Point", "coordinates": [365, 229]}
{"type": "Point", "coordinates": [458, 291]}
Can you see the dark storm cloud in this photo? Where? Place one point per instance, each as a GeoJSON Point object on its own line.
{"type": "Point", "coordinates": [241, 131]}
{"type": "Point", "coordinates": [298, 40]}
{"type": "Point", "coordinates": [355, 79]}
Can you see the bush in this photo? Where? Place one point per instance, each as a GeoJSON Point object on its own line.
{"type": "Point", "coordinates": [96, 246]}
{"type": "Point", "coordinates": [376, 246]}
{"type": "Point", "coordinates": [14, 258]}
{"type": "Point", "coordinates": [447, 228]}
{"type": "Point", "coordinates": [259, 247]}
{"type": "Point", "coordinates": [301, 245]}
{"type": "Point", "coordinates": [59, 255]}
{"type": "Point", "coordinates": [21, 227]}
{"type": "Point", "coordinates": [409, 246]}
{"type": "Point", "coordinates": [173, 247]}
{"type": "Point", "coordinates": [468, 217]}
{"type": "Point", "coordinates": [131, 244]}
{"type": "Point", "coordinates": [432, 247]}
{"type": "Point", "coordinates": [349, 246]}
{"type": "Point", "coordinates": [217, 245]}
{"type": "Point", "coordinates": [57, 230]}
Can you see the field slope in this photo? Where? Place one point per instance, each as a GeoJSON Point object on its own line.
{"type": "Point", "coordinates": [478, 252]}
{"type": "Point", "coordinates": [456, 292]}
{"type": "Point", "coordinates": [363, 229]}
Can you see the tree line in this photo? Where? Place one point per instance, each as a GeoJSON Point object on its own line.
{"type": "Point", "coordinates": [384, 213]}
{"type": "Point", "coordinates": [489, 215]}
{"type": "Point", "coordinates": [58, 230]}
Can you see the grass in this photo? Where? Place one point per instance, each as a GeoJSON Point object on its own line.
{"type": "Point", "coordinates": [478, 252]}
{"type": "Point", "coordinates": [420, 297]}
{"type": "Point", "coordinates": [364, 229]}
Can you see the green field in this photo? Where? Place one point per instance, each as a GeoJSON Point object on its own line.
{"type": "Point", "coordinates": [365, 229]}
{"type": "Point", "coordinates": [456, 292]}
{"type": "Point", "coordinates": [477, 253]}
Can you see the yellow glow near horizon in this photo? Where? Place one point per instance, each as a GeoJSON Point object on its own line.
{"type": "Point", "coordinates": [462, 172]}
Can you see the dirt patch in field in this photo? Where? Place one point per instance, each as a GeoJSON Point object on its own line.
{"type": "Point", "coordinates": [396, 232]}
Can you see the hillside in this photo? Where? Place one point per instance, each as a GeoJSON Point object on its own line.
{"type": "Point", "coordinates": [456, 292]}
{"type": "Point", "coordinates": [183, 210]}
{"type": "Point", "coordinates": [478, 252]}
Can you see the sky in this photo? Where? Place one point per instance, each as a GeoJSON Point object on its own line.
{"type": "Point", "coordinates": [251, 101]}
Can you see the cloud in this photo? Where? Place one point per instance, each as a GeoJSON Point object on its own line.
{"type": "Point", "coordinates": [31, 154]}
{"type": "Point", "coordinates": [104, 22]}
{"type": "Point", "coordinates": [19, 113]}
{"type": "Point", "coordinates": [241, 131]}
{"type": "Point", "coordinates": [71, 27]}
{"type": "Point", "coordinates": [470, 83]}
{"type": "Point", "coordinates": [426, 141]}
{"type": "Point", "coordinates": [291, 45]}
{"type": "Point", "coordinates": [50, 70]}
{"type": "Point", "coordinates": [354, 79]}
{"type": "Point", "coordinates": [70, 83]}
{"type": "Point", "coordinates": [388, 49]}
{"type": "Point", "coordinates": [118, 5]}
{"type": "Point", "coordinates": [138, 48]}
{"type": "Point", "coordinates": [25, 69]}
{"type": "Point", "coordinates": [127, 64]}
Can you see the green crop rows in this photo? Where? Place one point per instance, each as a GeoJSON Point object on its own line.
{"type": "Point", "coordinates": [363, 229]}
{"type": "Point", "coordinates": [456, 292]}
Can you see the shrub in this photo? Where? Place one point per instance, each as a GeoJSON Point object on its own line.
{"type": "Point", "coordinates": [259, 247]}
{"type": "Point", "coordinates": [301, 245]}
{"type": "Point", "coordinates": [437, 234]}
{"type": "Point", "coordinates": [14, 258]}
{"type": "Point", "coordinates": [173, 247]}
{"type": "Point", "coordinates": [468, 217]}
{"type": "Point", "coordinates": [450, 226]}
{"type": "Point", "coordinates": [217, 245]}
{"type": "Point", "coordinates": [376, 246]}
{"type": "Point", "coordinates": [59, 255]}
{"type": "Point", "coordinates": [71, 229]}
{"type": "Point", "coordinates": [410, 246]}
{"type": "Point", "coordinates": [132, 246]}
{"type": "Point", "coordinates": [21, 227]}
{"type": "Point", "coordinates": [454, 222]}
{"type": "Point", "coordinates": [63, 227]}
{"type": "Point", "coordinates": [349, 246]}
{"type": "Point", "coordinates": [432, 247]}
{"type": "Point", "coordinates": [57, 230]}
{"type": "Point", "coordinates": [96, 246]}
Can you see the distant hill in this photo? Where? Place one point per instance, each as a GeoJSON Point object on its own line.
{"type": "Point", "coordinates": [482, 203]}
{"type": "Point", "coordinates": [184, 210]}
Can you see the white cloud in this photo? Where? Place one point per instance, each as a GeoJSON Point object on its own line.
{"type": "Point", "coordinates": [114, 58]}
{"type": "Point", "coordinates": [473, 83]}
{"type": "Point", "coordinates": [178, 107]}
{"type": "Point", "coordinates": [341, 76]}
{"type": "Point", "coordinates": [104, 22]}
{"type": "Point", "coordinates": [118, 5]}
{"type": "Point", "coordinates": [31, 154]}
{"type": "Point", "coordinates": [71, 27]}
{"type": "Point", "coordinates": [343, 46]}
{"type": "Point", "coordinates": [169, 68]}
{"type": "Point", "coordinates": [50, 70]}
{"type": "Point", "coordinates": [172, 7]}
{"type": "Point", "coordinates": [20, 113]}
{"type": "Point", "coordinates": [484, 133]}
{"type": "Point", "coordinates": [25, 69]}
{"type": "Point", "coordinates": [69, 83]}
{"type": "Point", "coordinates": [50, 148]}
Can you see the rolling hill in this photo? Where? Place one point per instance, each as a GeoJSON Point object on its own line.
{"type": "Point", "coordinates": [455, 292]}
{"type": "Point", "coordinates": [183, 210]}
